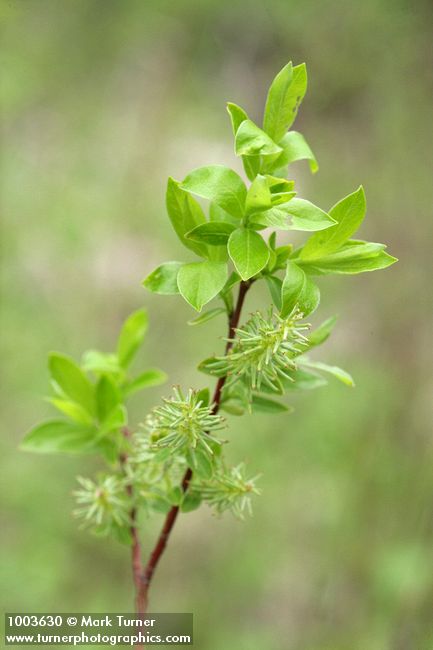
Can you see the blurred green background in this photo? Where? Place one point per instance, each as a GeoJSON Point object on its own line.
{"type": "Point", "coordinates": [102, 100]}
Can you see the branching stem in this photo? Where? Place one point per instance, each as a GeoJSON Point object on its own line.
{"type": "Point", "coordinates": [143, 584]}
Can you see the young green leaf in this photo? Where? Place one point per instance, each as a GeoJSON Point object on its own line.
{"type": "Point", "coordinates": [237, 115]}
{"type": "Point", "coordinates": [203, 396]}
{"type": "Point", "coordinates": [265, 405]}
{"type": "Point", "coordinates": [252, 165]}
{"type": "Point", "coordinates": [207, 315]}
{"type": "Point", "coordinates": [322, 333]}
{"type": "Point", "coordinates": [199, 282]}
{"type": "Point", "coordinates": [348, 214]}
{"type": "Point", "coordinates": [283, 253]}
{"type": "Point", "coordinates": [250, 140]}
{"type": "Point", "coordinates": [220, 184]}
{"type": "Point", "coordinates": [146, 379]}
{"type": "Point", "coordinates": [99, 363]}
{"type": "Point", "coordinates": [270, 266]}
{"type": "Point", "coordinates": [291, 288]}
{"type": "Point", "coordinates": [297, 214]}
{"type": "Point", "coordinates": [185, 214]}
{"type": "Point", "coordinates": [233, 280]}
{"type": "Point", "coordinates": [108, 397]}
{"type": "Point", "coordinates": [191, 501]}
{"type": "Point", "coordinates": [202, 464]}
{"type": "Point", "coordinates": [295, 148]}
{"type": "Point", "coordinates": [216, 213]}
{"type": "Point", "coordinates": [335, 371]}
{"type": "Point", "coordinates": [353, 257]}
{"type": "Point", "coordinates": [213, 233]}
{"type": "Point", "coordinates": [73, 410]}
{"type": "Point", "coordinates": [60, 436]}
{"type": "Point", "coordinates": [163, 279]}
{"type": "Point", "coordinates": [248, 252]}
{"type": "Point", "coordinates": [274, 286]}
{"type": "Point", "coordinates": [301, 379]}
{"type": "Point", "coordinates": [258, 195]}
{"type": "Point", "coordinates": [116, 419]}
{"type": "Point", "coordinates": [213, 366]}
{"type": "Point", "coordinates": [131, 336]}
{"type": "Point", "coordinates": [71, 380]}
{"type": "Point", "coordinates": [298, 291]}
{"type": "Point", "coordinates": [277, 185]}
{"type": "Point", "coordinates": [284, 97]}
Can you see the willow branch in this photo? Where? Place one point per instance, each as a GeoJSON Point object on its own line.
{"type": "Point", "coordinates": [170, 520]}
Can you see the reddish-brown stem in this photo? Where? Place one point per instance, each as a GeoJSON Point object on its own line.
{"type": "Point", "coordinates": [170, 520]}
{"type": "Point", "coordinates": [137, 567]}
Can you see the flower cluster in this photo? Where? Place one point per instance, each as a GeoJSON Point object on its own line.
{"type": "Point", "coordinates": [103, 504]}
{"type": "Point", "coordinates": [263, 352]}
{"type": "Point", "coordinates": [229, 489]}
{"type": "Point", "coordinates": [183, 423]}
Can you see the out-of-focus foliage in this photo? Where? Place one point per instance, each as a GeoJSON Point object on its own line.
{"type": "Point", "coordinates": [101, 102]}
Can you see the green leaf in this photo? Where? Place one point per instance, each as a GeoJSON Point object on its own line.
{"type": "Point", "coordinates": [298, 290]}
{"type": "Point", "coordinates": [108, 397]}
{"type": "Point", "coordinates": [335, 371]}
{"type": "Point", "coordinates": [252, 165]}
{"type": "Point", "coordinates": [148, 378]}
{"type": "Point", "coordinates": [214, 233]}
{"type": "Point", "coordinates": [250, 140]}
{"type": "Point", "coordinates": [199, 282]}
{"type": "Point", "coordinates": [282, 197]}
{"type": "Point", "coordinates": [212, 366]}
{"type": "Point", "coordinates": [216, 213]}
{"type": "Point", "coordinates": [279, 185]}
{"type": "Point", "coordinates": [98, 362]}
{"type": "Point", "coordinates": [191, 501]}
{"type": "Point", "coordinates": [175, 494]}
{"type": "Point", "coordinates": [220, 184]}
{"type": "Point", "coordinates": [258, 195]}
{"type": "Point", "coordinates": [159, 503]}
{"type": "Point", "coordinates": [248, 252]}
{"type": "Point", "coordinates": [207, 315]}
{"type": "Point", "coordinates": [117, 419]}
{"type": "Point", "coordinates": [349, 214]}
{"type": "Point", "coordinates": [266, 405]}
{"type": "Point", "coordinates": [274, 286]}
{"type": "Point", "coordinates": [185, 214]}
{"type": "Point", "coordinates": [272, 260]}
{"type": "Point", "coordinates": [234, 279]}
{"type": "Point", "coordinates": [233, 407]}
{"type": "Point", "coordinates": [302, 380]}
{"type": "Point", "coordinates": [321, 333]}
{"type": "Point", "coordinates": [202, 464]}
{"type": "Point", "coordinates": [272, 241]}
{"type": "Point", "coordinates": [163, 280]}
{"type": "Point", "coordinates": [310, 297]}
{"type": "Point", "coordinates": [58, 435]}
{"type": "Point", "coordinates": [237, 115]}
{"type": "Point", "coordinates": [353, 257]}
{"type": "Point", "coordinates": [296, 148]}
{"type": "Point", "coordinates": [73, 410]}
{"type": "Point", "coordinates": [297, 214]}
{"type": "Point", "coordinates": [204, 396]}
{"type": "Point", "coordinates": [131, 336]}
{"type": "Point", "coordinates": [291, 288]}
{"type": "Point", "coordinates": [283, 253]}
{"type": "Point", "coordinates": [72, 380]}
{"type": "Point", "coordinates": [284, 97]}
